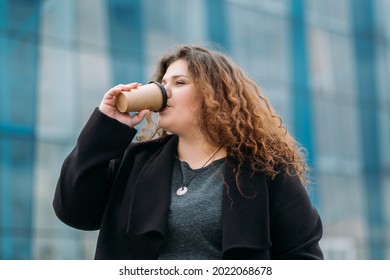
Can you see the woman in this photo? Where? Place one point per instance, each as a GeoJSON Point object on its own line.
{"type": "Point", "coordinates": [218, 177]}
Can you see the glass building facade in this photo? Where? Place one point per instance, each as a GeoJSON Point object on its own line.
{"type": "Point", "coordinates": [324, 65]}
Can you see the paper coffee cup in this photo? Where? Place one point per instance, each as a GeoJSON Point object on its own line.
{"type": "Point", "coordinates": [152, 96]}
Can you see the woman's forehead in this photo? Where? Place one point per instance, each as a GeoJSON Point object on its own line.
{"type": "Point", "coordinates": [177, 68]}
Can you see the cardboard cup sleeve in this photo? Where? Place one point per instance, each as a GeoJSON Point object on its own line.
{"type": "Point", "coordinates": [152, 96]}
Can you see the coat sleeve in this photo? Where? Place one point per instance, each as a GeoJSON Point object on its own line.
{"type": "Point", "coordinates": [84, 183]}
{"type": "Point", "coordinates": [296, 226]}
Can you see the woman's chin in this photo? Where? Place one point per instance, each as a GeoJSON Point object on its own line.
{"type": "Point", "coordinates": [162, 124]}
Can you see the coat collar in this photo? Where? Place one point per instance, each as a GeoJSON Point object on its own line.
{"type": "Point", "coordinates": [243, 220]}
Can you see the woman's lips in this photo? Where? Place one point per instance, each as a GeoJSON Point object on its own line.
{"type": "Point", "coordinates": [166, 107]}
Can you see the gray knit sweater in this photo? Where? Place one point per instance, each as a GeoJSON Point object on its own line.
{"type": "Point", "coordinates": [194, 222]}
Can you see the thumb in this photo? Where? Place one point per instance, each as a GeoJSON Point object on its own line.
{"type": "Point", "coordinates": [142, 114]}
{"type": "Point", "coordinates": [137, 118]}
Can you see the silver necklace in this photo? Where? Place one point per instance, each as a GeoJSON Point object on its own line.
{"type": "Point", "coordinates": [183, 190]}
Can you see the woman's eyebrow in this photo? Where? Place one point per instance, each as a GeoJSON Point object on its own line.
{"type": "Point", "coordinates": [174, 77]}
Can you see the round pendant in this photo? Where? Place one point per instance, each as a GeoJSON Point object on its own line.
{"type": "Point", "coordinates": [181, 191]}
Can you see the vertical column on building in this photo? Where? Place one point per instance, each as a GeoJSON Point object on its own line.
{"type": "Point", "coordinates": [217, 29]}
{"type": "Point", "coordinates": [126, 40]}
{"type": "Point", "coordinates": [18, 91]}
{"type": "Point", "coordinates": [5, 207]}
{"type": "Point", "coordinates": [363, 20]}
{"type": "Point", "coordinates": [300, 85]}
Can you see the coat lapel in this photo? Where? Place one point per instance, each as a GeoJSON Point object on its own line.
{"type": "Point", "coordinates": [245, 221]}
{"type": "Point", "coordinates": [150, 206]}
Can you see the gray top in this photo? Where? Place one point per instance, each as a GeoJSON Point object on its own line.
{"type": "Point", "coordinates": [194, 222]}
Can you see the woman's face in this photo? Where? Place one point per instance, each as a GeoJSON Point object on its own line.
{"type": "Point", "coordinates": [178, 117]}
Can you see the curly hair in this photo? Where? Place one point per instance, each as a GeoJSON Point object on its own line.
{"type": "Point", "coordinates": [234, 114]}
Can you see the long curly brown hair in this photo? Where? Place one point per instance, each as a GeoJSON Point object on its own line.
{"type": "Point", "coordinates": [234, 114]}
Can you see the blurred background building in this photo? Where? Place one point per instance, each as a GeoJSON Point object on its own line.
{"type": "Point", "coordinates": [325, 66]}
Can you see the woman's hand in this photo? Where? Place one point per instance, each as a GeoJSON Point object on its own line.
{"type": "Point", "coordinates": [108, 106]}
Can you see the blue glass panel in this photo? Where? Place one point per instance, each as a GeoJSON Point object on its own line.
{"type": "Point", "coordinates": [126, 40]}
{"type": "Point", "coordinates": [19, 21]}
{"type": "Point", "coordinates": [217, 23]}
{"type": "Point", "coordinates": [300, 77]}
{"type": "Point", "coordinates": [363, 17]}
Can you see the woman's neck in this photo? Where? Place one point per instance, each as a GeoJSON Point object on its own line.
{"type": "Point", "coordinates": [196, 152]}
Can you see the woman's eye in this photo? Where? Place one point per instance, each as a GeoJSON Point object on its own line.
{"type": "Point", "coordinates": [180, 82]}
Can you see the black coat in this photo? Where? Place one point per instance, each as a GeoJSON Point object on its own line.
{"type": "Point", "coordinates": [122, 188]}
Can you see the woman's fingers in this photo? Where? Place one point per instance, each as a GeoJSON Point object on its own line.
{"type": "Point", "coordinates": [108, 105]}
